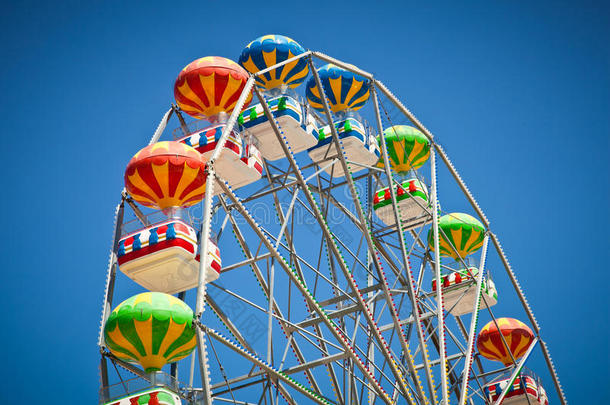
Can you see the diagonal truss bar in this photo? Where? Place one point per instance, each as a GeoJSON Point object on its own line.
{"type": "Point", "coordinates": [530, 314]}
{"type": "Point", "coordinates": [252, 357]}
{"type": "Point", "coordinates": [376, 263]}
{"type": "Point", "coordinates": [237, 334]}
{"type": "Point", "coordinates": [405, 258]}
{"type": "Point", "coordinates": [341, 64]}
{"type": "Point", "coordinates": [516, 372]}
{"type": "Point", "coordinates": [289, 371]}
{"type": "Point", "coordinates": [282, 63]}
{"type": "Point", "coordinates": [439, 290]}
{"type": "Point", "coordinates": [312, 302]}
{"type": "Point", "coordinates": [509, 270]}
{"type": "Point", "coordinates": [473, 325]}
{"type": "Point", "coordinates": [112, 267]}
{"type": "Point", "coordinates": [296, 260]}
{"type": "Point", "coordinates": [328, 235]}
{"type": "Point", "coordinates": [276, 309]}
{"type": "Point", "coordinates": [484, 219]}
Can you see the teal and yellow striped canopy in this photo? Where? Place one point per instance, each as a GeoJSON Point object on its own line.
{"type": "Point", "coordinates": [407, 147]}
{"type": "Point", "coordinates": [152, 329]}
{"type": "Point", "coordinates": [344, 89]}
{"type": "Point", "coordinates": [269, 50]}
{"type": "Point", "coordinates": [462, 231]}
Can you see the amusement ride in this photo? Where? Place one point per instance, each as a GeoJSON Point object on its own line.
{"type": "Point", "coordinates": [285, 243]}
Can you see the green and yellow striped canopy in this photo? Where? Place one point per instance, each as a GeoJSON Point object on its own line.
{"type": "Point", "coordinates": [152, 329]}
{"type": "Point", "coordinates": [407, 147]}
{"type": "Point", "coordinates": [462, 231]}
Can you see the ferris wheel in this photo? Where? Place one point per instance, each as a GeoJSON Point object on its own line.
{"type": "Point", "coordinates": [286, 243]}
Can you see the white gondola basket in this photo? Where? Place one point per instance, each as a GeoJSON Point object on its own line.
{"type": "Point", "coordinates": [297, 125]}
{"type": "Point", "coordinates": [413, 204]}
{"type": "Point", "coordinates": [240, 162]}
{"type": "Point", "coordinates": [163, 257]}
{"type": "Point", "coordinates": [527, 389]}
{"type": "Point", "coordinates": [359, 145]}
{"type": "Point", "coordinates": [459, 291]}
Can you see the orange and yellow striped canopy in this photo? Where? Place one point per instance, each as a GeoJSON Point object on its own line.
{"type": "Point", "coordinates": [166, 174]}
{"type": "Point", "coordinates": [518, 337]}
{"type": "Point", "coordinates": [211, 85]}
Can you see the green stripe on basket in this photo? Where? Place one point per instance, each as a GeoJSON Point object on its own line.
{"type": "Point", "coordinates": [416, 193]}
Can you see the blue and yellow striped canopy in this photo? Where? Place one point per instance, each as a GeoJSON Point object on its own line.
{"type": "Point", "coordinates": [344, 89]}
{"type": "Point", "coordinates": [269, 50]}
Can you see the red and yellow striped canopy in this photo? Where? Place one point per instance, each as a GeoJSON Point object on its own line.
{"type": "Point", "coordinates": [166, 174]}
{"type": "Point", "coordinates": [518, 337]}
{"type": "Point", "coordinates": [211, 85]}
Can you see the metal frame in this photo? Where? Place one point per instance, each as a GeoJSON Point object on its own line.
{"type": "Point", "coordinates": [359, 327]}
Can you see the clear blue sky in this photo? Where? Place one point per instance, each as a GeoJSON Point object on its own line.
{"type": "Point", "coordinates": [517, 93]}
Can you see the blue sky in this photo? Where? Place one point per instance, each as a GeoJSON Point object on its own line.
{"type": "Point", "coordinates": [517, 93]}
